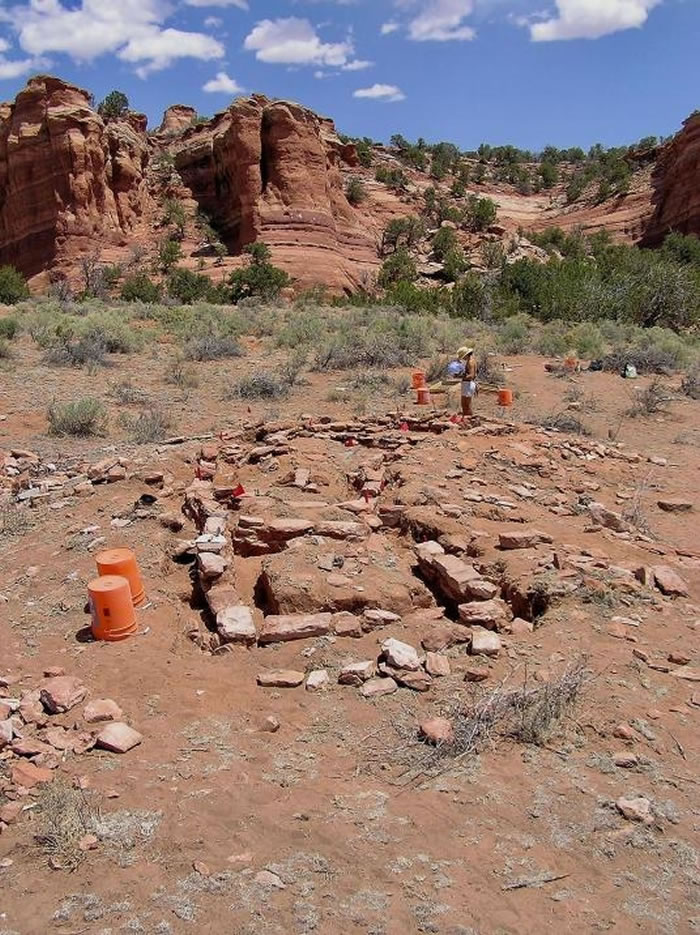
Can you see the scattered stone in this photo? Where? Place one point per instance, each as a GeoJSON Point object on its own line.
{"type": "Point", "coordinates": [522, 538]}
{"type": "Point", "coordinates": [417, 681]}
{"type": "Point", "coordinates": [62, 693]}
{"type": "Point", "coordinates": [678, 659]}
{"type": "Point", "coordinates": [377, 687]}
{"type": "Point", "coordinates": [211, 565]}
{"type": "Point", "coordinates": [490, 614]}
{"type": "Point", "coordinates": [437, 730]}
{"type": "Point", "coordinates": [270, 724]}
{"type": "Point", "coordinates": [118, 738]}
{"type": "Point", "coordinates": [625, 760]}
{"type": "Point", "coordinates": [637, 809]}
{"type": "Point", "coordinates": [669, 582]}
{"type": "Point", "coordinates": [400, 655]}
{"type": "Point", "coordinates": [437, 665]}
{"type": "Point", "coordinates": [356, 673]}
{"type": "Point", "coordinates": [346, 624]}
{"type": "Point", "coordinates": [375, 619]}
{"type": "Point", "coordinates": [269, 880]}
{"type": "Point", "coordinates": [6, 733]}
{"type": "Point", "coordinates": [674, 505]}
{"type": "Point", "coordinates": [520, 627]}
{"type": "Point", "coordinates": [235, 624]}
{"type": "Point", "coordinates": [484, 642]}
{"type": "Point", "coordinates": [281, 629]}
{"type": "Point", "coordinates": [690, 675]}
{"type": "Point", "coordinates": [28, 775]}
{"type": "Point", "coordinates": [608, 518]}
{"type": "Point", "coordinates": [171, 521]}
{"type": "Point", "coordinates": [317, 680]}
{"type": "Point", "coordinates": [88, 842]}
{"type": "Point", "coordinates": [102, 709]}
{"type": "Point", "coordinates": [624, 732]}
{"type": "Point", "coordinates": [280, 678]}
{"type": "Point", "coordinates": [54, 672]}
{"type": "Point", "coordinates": [474, 674]}
{"type": "Point", "coordinates": [10, 812]}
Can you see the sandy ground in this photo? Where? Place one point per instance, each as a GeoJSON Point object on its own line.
{"type": "Point", "coordinates": [337, 822]}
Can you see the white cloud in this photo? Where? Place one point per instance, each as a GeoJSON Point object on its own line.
{"type": "Point", "coordinates": [357, 64]}
{"type": "Point", "coordinates": [15, 69]}
{"type": "Point", "coordinates": [294, 41]}
{"type": "Point", "coordinates": [222, 84]}
{"type": "Point", "coordinates": [381, 92]}
{"type": "Point", "coordinates": [591, 19]}
{"type": "Point", "coordinates": [441, 21]}
{"type": "Point", "coordinates": [132, 29]}
{"type": "Point", "coordinates": [163, 46]}
{"type": "Point", "coordinates": [213, 22]}
{"type": "Point", "coordinates": [388, 28]}
{"type": "Point", "coordinates": [241, 4]}
{"type": "Point", "coordinates": [4, 45]}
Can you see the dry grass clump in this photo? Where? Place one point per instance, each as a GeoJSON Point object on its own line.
{"type": "Point", "coordinates": [150, 425]}
{"type": "Point", "coordinates": [567, 422]}
{"type": "Point", "coordinates": [532, 714]}
{"type": "Point", "coordinates": [65, 817]}
{"type": "Point", "coordinates": [649, 401]}
{"type": "Point", "coordinates": [691, 383]}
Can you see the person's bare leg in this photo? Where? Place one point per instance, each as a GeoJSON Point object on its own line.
{"type": "Point", "coordinates": [466, 405]}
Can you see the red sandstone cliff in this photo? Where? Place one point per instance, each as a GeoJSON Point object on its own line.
{"type": "Point", "coordinates": [261, 170]}
{"type": "Point", "coordinates": [676, 182]}
{"type": "Point", "coordinates": [270, 170]}
{"type": "Point", "coordinates": [66, 179]}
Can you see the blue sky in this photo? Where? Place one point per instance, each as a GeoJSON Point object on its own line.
{"type": "Point", "coordinates": [528, 72]}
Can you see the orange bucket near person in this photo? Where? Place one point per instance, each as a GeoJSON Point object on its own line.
{"type": "Point", "coordinates": [418, 379]}
{"type": "Point", "coordinates": [505, 397]}
{"type": "Point", "coordinates": [122, 562]}
{"type": "Point", "coordinates": [423, 396]}
{"type": "Point", "coordinates": [112, 608]}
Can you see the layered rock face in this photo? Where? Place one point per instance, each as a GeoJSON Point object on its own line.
{"type": "Point", "coordinates": [271, 171]}
{"type": "Point", "coordinates": [676, 184]}
{"type": "Point", "coordinates": [177, 118]}
{"type": "Point", "coordinates": [67, 181]}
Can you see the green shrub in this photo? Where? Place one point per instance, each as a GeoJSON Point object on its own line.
{"type": "Point", "coordinates": [13, 286]}
{"type": "Point", "coordinates": [139, 287]}
{"type": "Point", "coordinates": [81, 418]}
{"type": "Point", "coordinates": [587, 340]}
{"type": "Point", "coordinates": [5, 352]}
{"type": "Point", "coordinates": [169, 252]}
{"type": "Point", "coordinates": [355, 191]}
{"type": "Point", "coordinates": [400, 267]}
{"type": "Point", "coordinates": [514, 334]}
{"type": "Point", "coordinates": [260, 279]}
{"type": "Point", "coordinates": [187, 286]}
{"type": "Point", "coordinates": [8, 328]}
{"type": "Point", "coordinates": [444, 241]}
{"type": "Point", "coordinates": [552, 339]}
{"type": "Point", "coordinates": [481, 213]}
{"type": "Point", "coordinates": [114, 106]}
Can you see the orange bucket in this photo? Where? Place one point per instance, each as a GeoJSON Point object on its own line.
{"type": "Point", "coordinates": [112, 608]}
{"type": "Point", "coordinates": [423, 396]}
{"type": "Point", "coordinates": [505, 397]}
{"type": "Point", "coordinates": [418, 379]}
{"type": "Point", "coordinates": [122, 562]}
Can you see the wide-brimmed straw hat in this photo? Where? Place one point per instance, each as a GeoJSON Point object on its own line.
{"type": "Point", "coordinates": [464, 352]}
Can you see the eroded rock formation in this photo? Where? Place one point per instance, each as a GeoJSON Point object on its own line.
{"type": "Point", "coordinates": [676, 184]}
{"type": "Point", "coordinates": [270, 171]}
{"type": "Point", "coordinates": [67, 181]}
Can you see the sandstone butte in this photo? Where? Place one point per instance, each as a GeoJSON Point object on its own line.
{"type": "Point", "coordinates": [72, 184]}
